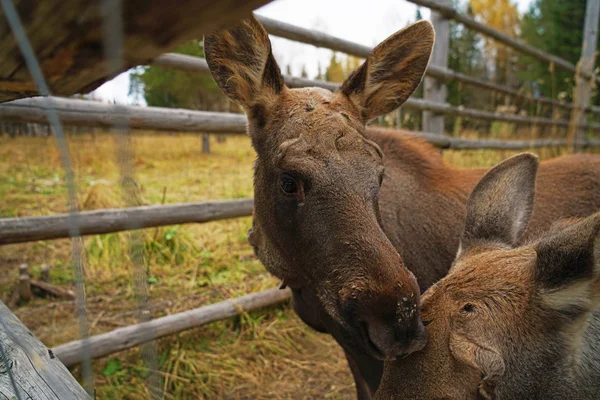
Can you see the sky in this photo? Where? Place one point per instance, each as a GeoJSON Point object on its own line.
{"type": "Point", "coordinates": [365, 22]}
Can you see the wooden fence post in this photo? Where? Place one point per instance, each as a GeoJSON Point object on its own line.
{"type": "Point", "coordinates": [585, 68]}
{"type": "Point", "coordinates": [206, 143]}
{"type": "Point", "coordinates": [37, 372]}
{"type": "Point", "coordinates": [433, 89]}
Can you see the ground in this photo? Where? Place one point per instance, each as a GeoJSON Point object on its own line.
{"type": "Point", "coordinates": [261, 355]}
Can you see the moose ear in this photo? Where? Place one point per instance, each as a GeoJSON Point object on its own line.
{"type": "Point", "coordinates": [499, 208]}
{"type": "Point", "coordinates": [241, 61]}
{"type": "Point", "coordinates": [487, 361]}
{"type": "Point", "coordinates": [392, 72]}
{"type": "Point", "coordinates": [568, 266]}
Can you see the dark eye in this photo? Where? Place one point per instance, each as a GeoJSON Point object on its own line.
{"type": "Point", "coordinates": [288, 184]}
{"type": "Point", "coordinates": [467, 308]}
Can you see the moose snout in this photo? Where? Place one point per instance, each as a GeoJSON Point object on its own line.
{"type": "Point", "coordinates": [391, 327]}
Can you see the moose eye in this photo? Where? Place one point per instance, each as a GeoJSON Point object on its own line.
{"type": "Point", "coordinates": [467, 308]}
{"type": "Point", "coordinates": [288, 184]}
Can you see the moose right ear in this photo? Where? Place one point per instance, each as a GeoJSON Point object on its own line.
{"type": "Point", "coordinates": [501, 204]}
{"type": "Point", "coordinates": [241, 61]}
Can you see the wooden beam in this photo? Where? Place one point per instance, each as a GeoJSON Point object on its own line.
{"type": "Point", "coordinates": [91, 113]}
{"type": "Point", "coordinates": [447, 10]}
{"type": "Point", "coordinates": [583, 88]}
{"type": "Point", "coordinates": [320, 39]}
{"type": "Point", "coordinates": [67, 37]}
{"type": "Point", "coordinates": [435, 89]}
{"type": "Point", "coordinates": [134, 335]}
{"type": "Point", "coordinates": [37, 373]}
{"type": "Point", "coordinates": [20, 230]}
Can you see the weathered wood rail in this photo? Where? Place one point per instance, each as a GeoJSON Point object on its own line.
{"type": "Point", "coordinates": [31, 367]}
{"type": "Point", "coordinates": [67, 37]}
{"type": "Point", "coordinates": [518, 45]}
{"type": "Point", "coordinates": [320, 39]}
{"type": "Point", "coordinates": [20, 230]}
{"type": "Point", "coordinates": [199, 65]}
{"type": "Point", "coordinates": [134, 335]}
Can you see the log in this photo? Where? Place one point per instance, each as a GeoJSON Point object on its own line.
{"type": "Point", "coordinates": [37, 373]}
{"type": "Point", "coordinates": [518, 45]}
{"type": "Point", "coordinates": [90, 113]}
{"type": "Point", "coordinates": [52, 290]}
{"type": "Point", "coordinates": [324, 40]}
{"type": "Point", "coordinates": [20, 230]}
{"type": "Point", "coordinates": [67, 37]}
{"type": "Point", "coordinates": [134, 335]}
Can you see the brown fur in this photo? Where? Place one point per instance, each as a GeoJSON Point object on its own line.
{"type": "Point", "coordinates": [510, 322]}
{"type": "Point", "coordinates": [368, 203]}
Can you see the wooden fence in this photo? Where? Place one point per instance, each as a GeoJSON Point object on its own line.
{"type": "Point", "coordinates": [433, 105]}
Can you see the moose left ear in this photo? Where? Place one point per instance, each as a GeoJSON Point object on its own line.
{"type": "Point", "coordinates": [392, 72]}
{"type": "Point", "coordinates": [568, 266]}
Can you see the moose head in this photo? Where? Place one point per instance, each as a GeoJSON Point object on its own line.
{"type": "Point", "coordinates": [317, 178]}
{"type": "Point", "coordinates": [509, 321]}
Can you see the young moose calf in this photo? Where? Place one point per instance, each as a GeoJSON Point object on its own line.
{"type": "Point", "coordinates": [510, 322]}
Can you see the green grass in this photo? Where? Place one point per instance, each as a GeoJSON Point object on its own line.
{"type": "Point", "coordinates": [266, 354]}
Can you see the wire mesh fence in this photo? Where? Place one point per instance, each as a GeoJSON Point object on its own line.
{"type": "Point", "coordinates": [138, 251]}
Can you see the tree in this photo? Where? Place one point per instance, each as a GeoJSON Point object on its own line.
{"type": "Point", "coordinates": [555, 26]}
{"type": "Point", "coordinates": [503, 16]}
{"type": "Point", "coordinates": [304, 74]}
{"type": "Point", "coordinates": [334, 71]}
{"type": "Point", "coordinates": [163, 87]}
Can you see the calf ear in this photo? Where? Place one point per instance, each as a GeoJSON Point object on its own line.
{"type": "Point", "coordinates": [486, 360]}
{"type": "Point", "coordinates": [241, 61]}
{"type": "Point", "coordinates": [392, 72]}
{"type": "Point", "coordinates": [499, 208]}
{"type": "Point", "coordinates": [568, 266]}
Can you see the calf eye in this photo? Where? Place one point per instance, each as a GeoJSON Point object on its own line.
{"type": "Point", "coordinates": [288, 184]}
{"type": "Point", "coordinates": [467, 308]}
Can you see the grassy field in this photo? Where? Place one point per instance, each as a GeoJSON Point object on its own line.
{"type": "Point", "coordinates": [266, 354]}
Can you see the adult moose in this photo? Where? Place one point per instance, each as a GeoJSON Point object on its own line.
{"type": "Point", "coordinates": [338, 222]}
{"type": "Point", "coordinates": [510, 322]}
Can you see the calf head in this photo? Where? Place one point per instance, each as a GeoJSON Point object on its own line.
{"type": "Point", "coordinates": [317, 178]}
{"type": "Point", "coordinates": [504, 317]}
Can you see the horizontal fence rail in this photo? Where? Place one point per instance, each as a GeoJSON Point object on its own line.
{"type": "Point", "coordinates": [20, 230]}
{"type": "Point", "coordinates": [199, 65]}
{"type": "Point", "coordinates": [449, 12]}
{"type": "Point", "coordinates": [320, 39]}
{"type": "Point", "coordinates": [134, 335]}
{"type": "Point", "coordinates": [89, 113]}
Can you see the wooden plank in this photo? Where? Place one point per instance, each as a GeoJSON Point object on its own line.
{"type": "Point", "coordinates": [583, 88]}
{"type": "Point", "coordinates": [447, 10]}
{"type": "Point", "coordinates": [324, 40]}
{"type": "Point", "coordinates": [67, 37]}
{"type": "Point", "coordinates": [434, 89]}
{"type": "Point", "coordinates": [37, 373]}
{"type": "Point", "coordinates": [20, 230]}
{"type": "Point", "coordinates": [52, 290]}
{"type": "Point", "coordinates": [90, 113]}
{"type": "Point", "coordinates": [134, 335]}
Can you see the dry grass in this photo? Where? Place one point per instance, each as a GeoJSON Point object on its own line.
{"type": "Point", "coordinates": [267, 354]}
